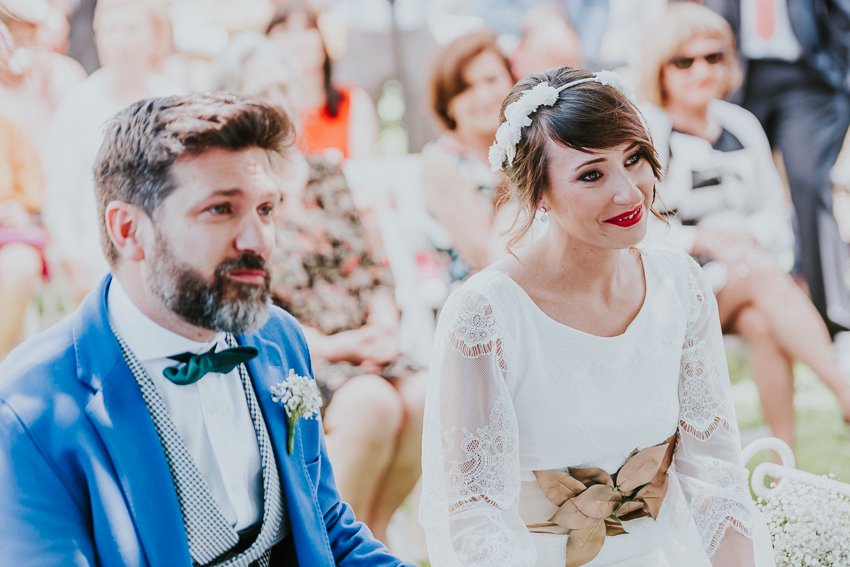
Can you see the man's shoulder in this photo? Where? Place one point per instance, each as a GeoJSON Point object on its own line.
{"type": "Point", "coordinates": [47, 354]}
{"type": "Point", "coordinates": [281, 325]}
{"type": "Point", "coordinates": [36, 374]}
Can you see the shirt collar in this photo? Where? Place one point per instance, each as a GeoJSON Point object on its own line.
{"type": "Point", "coordinates": [147, 339]}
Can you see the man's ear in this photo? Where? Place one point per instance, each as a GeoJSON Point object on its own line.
{"type": "Point", "coordinates": [124, 225]}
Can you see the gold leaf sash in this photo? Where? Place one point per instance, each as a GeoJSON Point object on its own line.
{"type": "Point", "coordinates": [593, 504]}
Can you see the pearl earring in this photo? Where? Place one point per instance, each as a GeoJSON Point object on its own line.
{"type": "Point", "coordinates": [544, 215]}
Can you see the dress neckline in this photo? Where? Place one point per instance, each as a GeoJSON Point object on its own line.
{"type": "Point", "coordinates": [632, 324]}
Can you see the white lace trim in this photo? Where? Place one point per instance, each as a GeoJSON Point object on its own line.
{"type": "Point", "coordinates": [473, 330]}
{"type": "Point", "coordinates": [713, 514]}
{"type": "Point", "coordinates": [491, 546]}
{"type": "Point", "coordinates": [703, 403]}
{"type": "Point", "coordinates": [488, 472]}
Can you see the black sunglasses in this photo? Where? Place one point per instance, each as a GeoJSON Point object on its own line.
{"type": "Point", "coordinates": [686, 62]}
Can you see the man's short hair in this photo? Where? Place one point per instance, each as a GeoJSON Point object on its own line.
{"type": "Point", "coordinates": [143, 141]}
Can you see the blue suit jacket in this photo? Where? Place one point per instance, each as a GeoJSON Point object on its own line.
{"type": "Point", "coordinates": [83, 477]}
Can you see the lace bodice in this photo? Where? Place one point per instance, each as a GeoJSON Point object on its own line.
{"type": "Point", "coordinates": [513, 391]}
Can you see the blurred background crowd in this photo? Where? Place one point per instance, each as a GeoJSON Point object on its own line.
{"type": "Point", "coordinates": [390, 203]}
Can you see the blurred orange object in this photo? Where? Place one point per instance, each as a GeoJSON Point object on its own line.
{"type": "Point", "coordinates": [323, 134]}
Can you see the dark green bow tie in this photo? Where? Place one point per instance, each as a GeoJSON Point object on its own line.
{"type": "Point", "coordinates": [197, 365]}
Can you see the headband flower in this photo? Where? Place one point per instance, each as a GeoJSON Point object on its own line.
{"type": "Point", "coordinates": [517, 113]}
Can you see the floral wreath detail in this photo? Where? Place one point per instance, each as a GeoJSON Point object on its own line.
{"type": "Point", "coordinates": [300, 397]}
{"type": "Point", "coordinates": [517, 113]}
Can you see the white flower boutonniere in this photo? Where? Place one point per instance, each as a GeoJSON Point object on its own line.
{"type": "Point", "coordinates": [300, 397]}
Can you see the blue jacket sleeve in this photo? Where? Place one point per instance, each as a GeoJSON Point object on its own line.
{"type": "Point", "coordinates": [351, 541]}
{"type": "Point", "coordinates": [41, 524]}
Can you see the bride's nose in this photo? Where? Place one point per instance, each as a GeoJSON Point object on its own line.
{"type": "Point", "coordinates": [626, 191]}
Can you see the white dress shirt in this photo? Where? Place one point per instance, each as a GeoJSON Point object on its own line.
{"type": "Point", "coordinates": [782, 43]}
{"type": "Point", "coordinates": [210, 415]}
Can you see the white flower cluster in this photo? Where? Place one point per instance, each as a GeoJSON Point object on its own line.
{"type": "Point", "coordinates": [517, 113]}
{"type": "Point", "coordinates": [516, 118]}
{"type": "Point", "coordinates": [299, 395]}
{"type": "Point", "coordinates": [809, 524]}
{"type": "Point", "coordinates": [613, 80]}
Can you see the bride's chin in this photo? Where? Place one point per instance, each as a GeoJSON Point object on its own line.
{"type": "Point", "coordinates": [630, 237]}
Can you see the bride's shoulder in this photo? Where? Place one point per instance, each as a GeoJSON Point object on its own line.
{"type": "Point", "coordinates": [484, 291]}
{"type": "Point", "coordinates": [666, 258]}
{"type": "Point", "coordinates": [488, 284]}
{"type": "Point", "coordinates": [675, 266]}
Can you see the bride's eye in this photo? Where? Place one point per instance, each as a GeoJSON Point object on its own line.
{"type": "Point", "coordinates": [634, 158]}
{"type": "Point", "coordinates": [592, 175]}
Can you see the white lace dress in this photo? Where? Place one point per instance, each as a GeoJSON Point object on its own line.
{"type": "Point", "coordinates": [512, 391]}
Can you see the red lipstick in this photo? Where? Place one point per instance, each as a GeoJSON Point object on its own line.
{"type": "Point", "coordinates": [628, 219]}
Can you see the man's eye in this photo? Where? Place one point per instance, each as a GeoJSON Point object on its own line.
{"type": "Point", "coordinates": [220, 209]}
{"type": "Point", "coordinates": [593, 175]}
{"type": "Point", "coordinates": [265, 210]}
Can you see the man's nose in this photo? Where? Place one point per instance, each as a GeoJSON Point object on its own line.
{"type": "Point", "coordinates": [255, 235]}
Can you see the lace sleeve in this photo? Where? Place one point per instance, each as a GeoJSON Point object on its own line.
{"type": "Point", "coordinates": [707, 458]}
{"type": "Point", "coordinates": [470, 459]}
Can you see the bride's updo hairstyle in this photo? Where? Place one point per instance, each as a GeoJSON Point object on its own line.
{"type": "Point", "coordinates": [587, 117]}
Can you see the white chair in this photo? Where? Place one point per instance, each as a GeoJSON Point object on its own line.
{"type": "Point", "coordinates": [787, 471]}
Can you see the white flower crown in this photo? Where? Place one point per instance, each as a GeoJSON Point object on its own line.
{"type": "Point", "coordinates": [517, 113]}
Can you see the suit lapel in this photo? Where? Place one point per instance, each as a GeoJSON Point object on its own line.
{"type": "Point", "coordinates": [302, 507]}
{"type": "Point", "coordinates": [121, 418]}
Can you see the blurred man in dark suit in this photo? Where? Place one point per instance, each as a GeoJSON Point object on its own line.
{"type": "Point", "coordinates": [796, 55]}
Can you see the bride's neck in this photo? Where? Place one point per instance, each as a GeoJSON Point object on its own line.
{"type": "Point", "coordinates": [576, 265]}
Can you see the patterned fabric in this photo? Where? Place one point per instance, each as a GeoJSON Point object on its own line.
{"type": "Point", "coordinates": [209, 534]}
{"type": "Point", "coordinates": [325, 273]}
{"type": "Point", "coordinates": [323, 270]}
{"type": "Point", "coordinates": [454, 268]}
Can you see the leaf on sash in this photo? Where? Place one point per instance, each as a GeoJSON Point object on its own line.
{"type": "Point", "coordinates": [558, 486]}
{"type": "Point", "coordinates": [584, 544]}
{"type": "Point", "coordinates": [592, 475]}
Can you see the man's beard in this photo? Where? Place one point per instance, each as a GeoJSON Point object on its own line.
{"type": "Point", "coordinates": [221, 305]}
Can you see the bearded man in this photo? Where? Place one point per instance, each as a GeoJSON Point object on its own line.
{"type": "Point", "coordinates": [146, 429]}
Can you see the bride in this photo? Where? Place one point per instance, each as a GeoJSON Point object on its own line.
{"type": "Point", "coordinates": [580, 387]}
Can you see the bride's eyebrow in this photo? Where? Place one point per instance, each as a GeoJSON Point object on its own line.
{"type": "Point", "coordinates": [590, 162]}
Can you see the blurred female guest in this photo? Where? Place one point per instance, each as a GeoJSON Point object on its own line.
{"type": "Point", "coordinates": [33, 77]}
{"type": "Point", "coordinates": [133, 38]}
{"type": "Point", "coordinates": [337, 121]}
{"type": "Point", "coordinates": [22, 241]}
{"type": "Point", "coordinates": [730, 206]}
{"type": "Point", "coordinates": [328, 276]}
{"type": "Point", "coordinates": [469, 79]}
{"type": "Point", "coordinates": [548, 40]}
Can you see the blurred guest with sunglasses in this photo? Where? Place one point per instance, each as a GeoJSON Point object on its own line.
{"type": "Point", "coordinates": [797, 61]}
{"type": "Point", "coordinates": [730, 205]}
